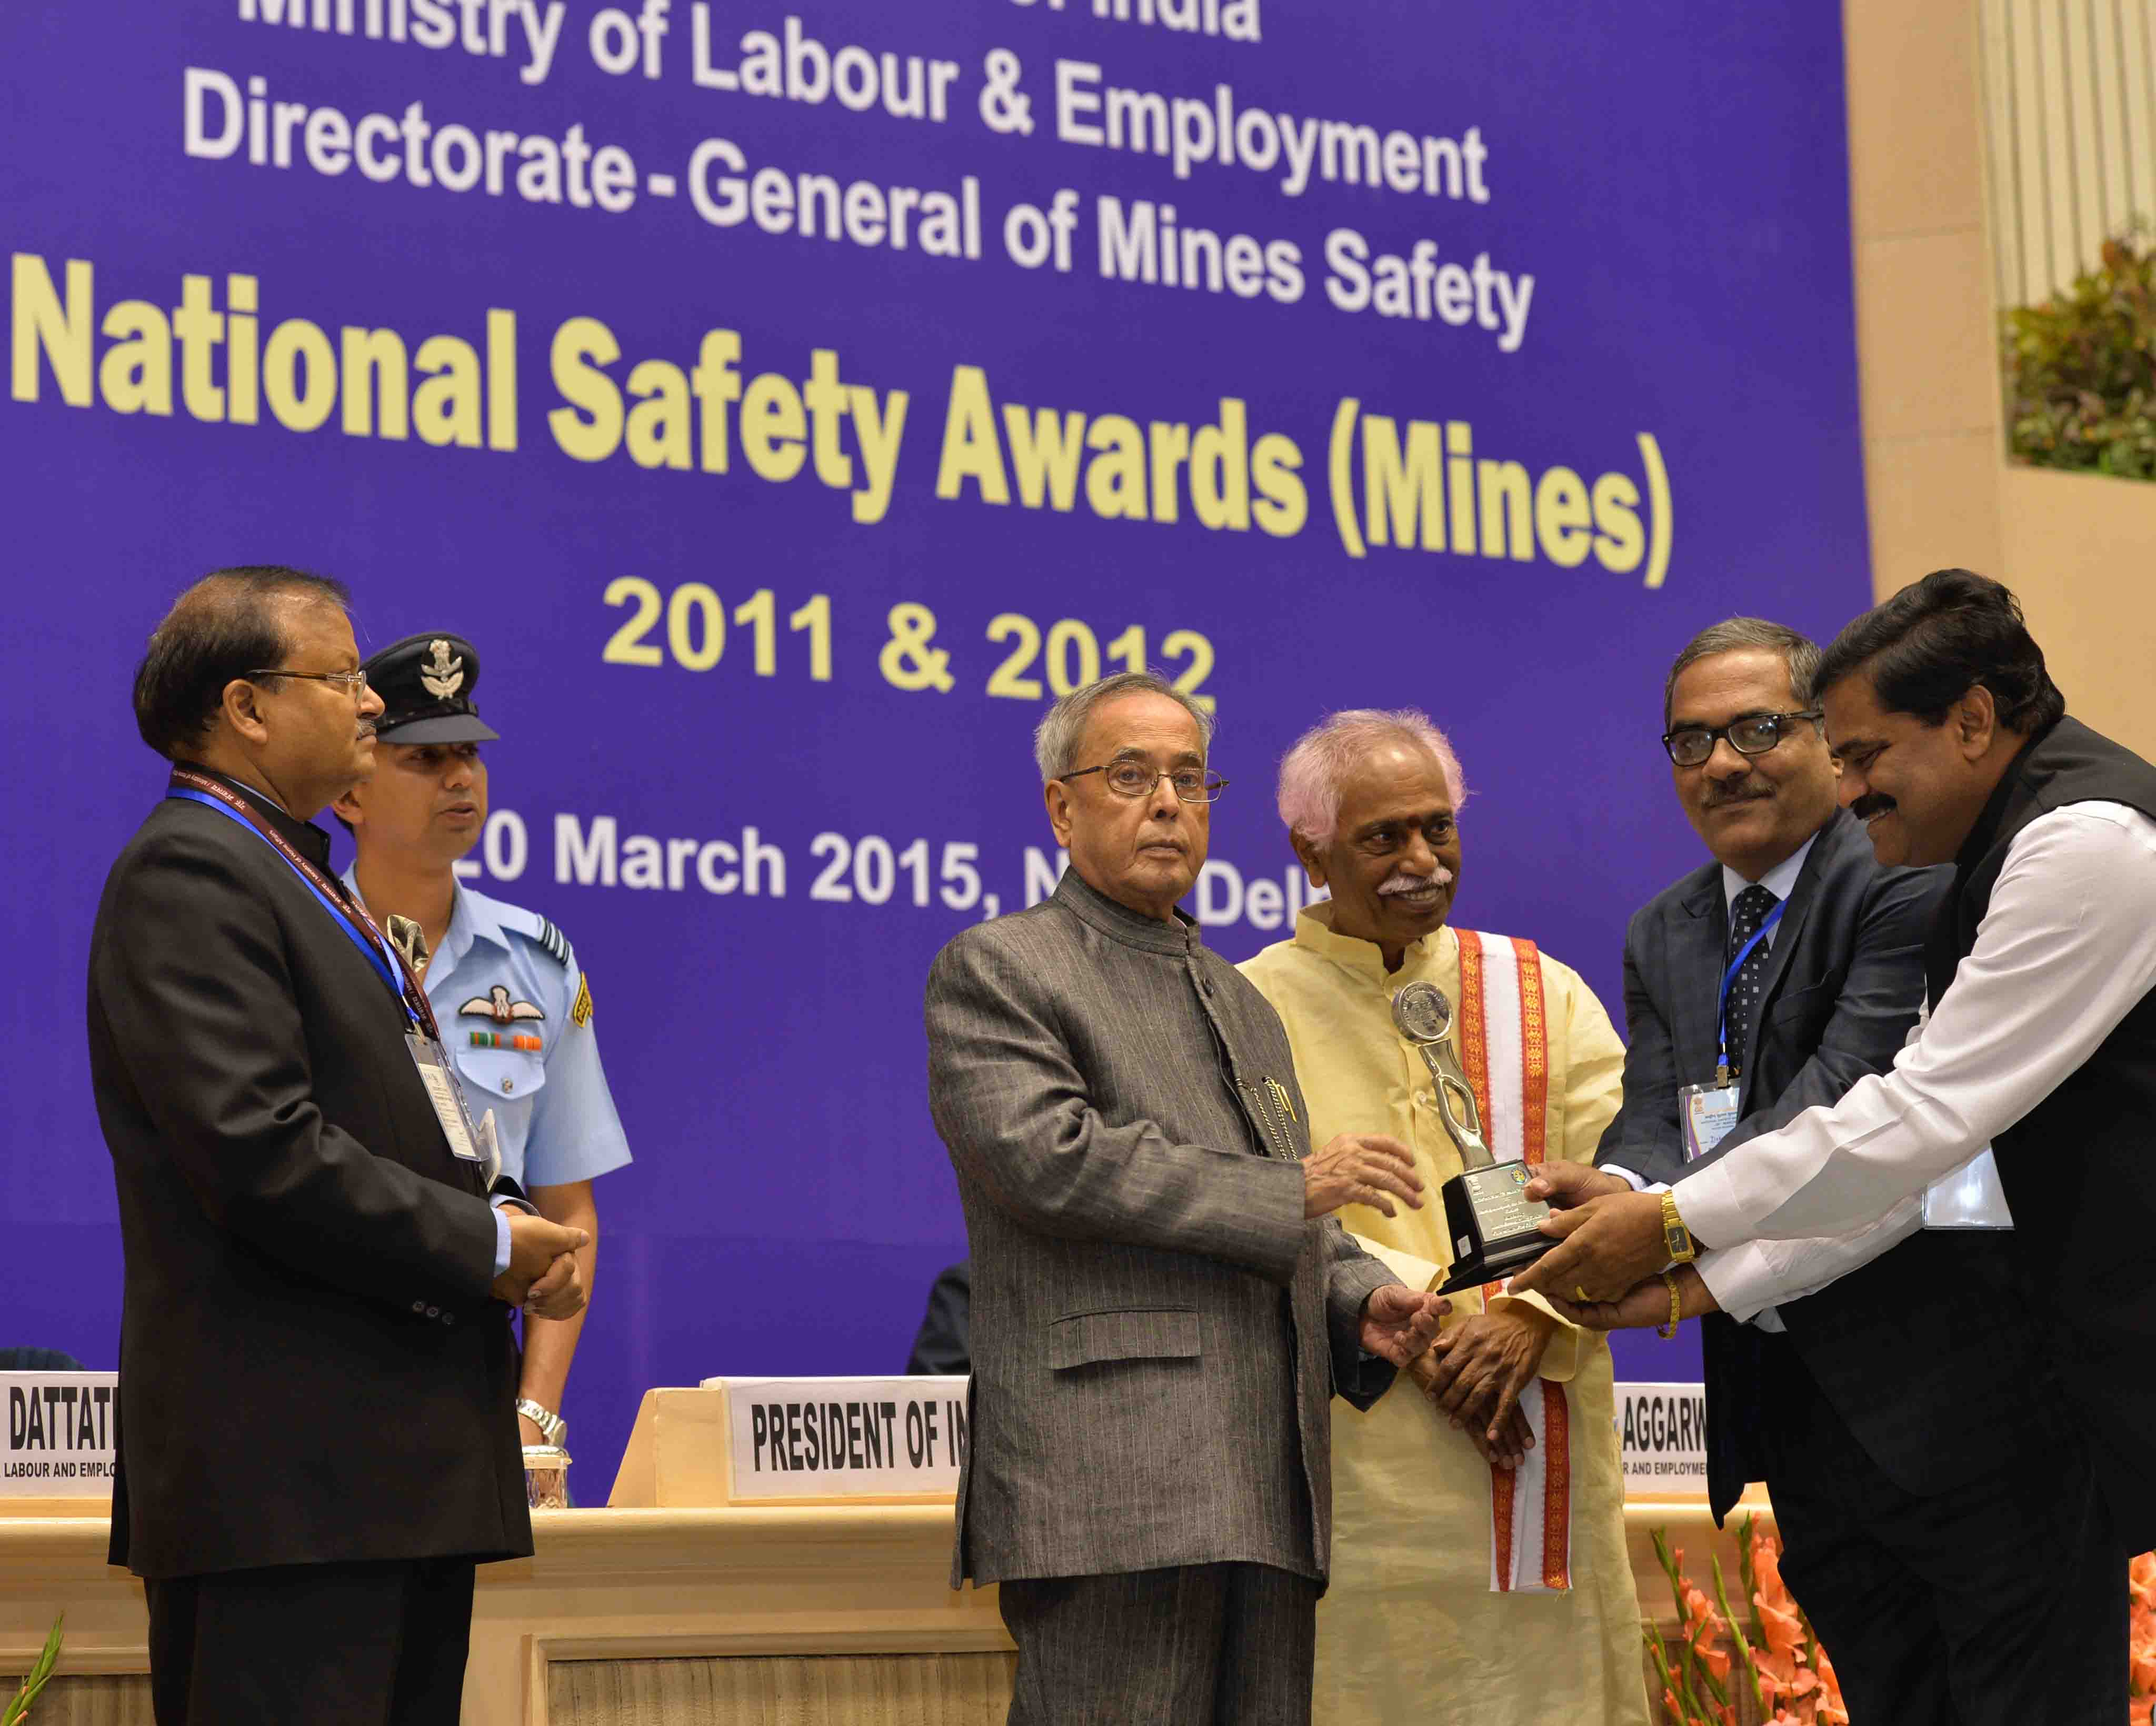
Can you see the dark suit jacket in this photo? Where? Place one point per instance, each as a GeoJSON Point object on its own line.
{"type": "Point", "coordinates": [1925, 1352]}
{"type": "Point", "coordinates": [312, 1368]}
{"type": "Point", "coordinates": [39, 1360]}
{"type": "Point", "coordinates": [943, 1344]}
{"type": "Point", "coordinates": [1157, 1330]}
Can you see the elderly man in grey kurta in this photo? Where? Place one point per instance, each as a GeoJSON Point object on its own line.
{"type": "Point", "coordinates": [1163, 1308]}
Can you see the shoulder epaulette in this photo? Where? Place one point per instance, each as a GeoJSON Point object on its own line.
{"type": "Point", "coordinates": [555, 942]}
{"type": "Point", "coordinates": [534, 928]}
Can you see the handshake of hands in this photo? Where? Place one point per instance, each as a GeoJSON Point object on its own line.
{"type": "Point", "coordinates": [543, 1276]}
{"type": "Point", "coordinates": [1474, 1373]}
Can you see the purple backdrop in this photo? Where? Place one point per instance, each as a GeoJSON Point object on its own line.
{"type": "Point", "coordinates": [1667, 419]}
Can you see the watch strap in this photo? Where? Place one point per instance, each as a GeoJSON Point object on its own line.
{"type": "Point", "coordinates": [1675, 1235]}
{"type": "Point", "coordinates": [552, 1426]}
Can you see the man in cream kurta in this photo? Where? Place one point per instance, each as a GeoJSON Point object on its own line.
{"type": "Point", "coordinates": [1414, 1627]}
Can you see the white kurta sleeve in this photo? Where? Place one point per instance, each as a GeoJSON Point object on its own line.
{"type": "Point", "coordinates": [1749, 1279]}
{"type": "Point", "coordinates": [2066, 949]}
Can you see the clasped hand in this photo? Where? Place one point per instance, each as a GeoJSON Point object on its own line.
{"type": "Point", "coordinates": [1475, 1373]}
{"type": "Point", "coordinates": [544, 1277]}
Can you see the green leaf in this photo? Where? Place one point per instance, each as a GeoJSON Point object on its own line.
{"type": "Point", "coordinates": [1745, 1658]}
{"type": "Point", "coordinates": [1747, 1574]}
{"type": "Point", "coordinates": [1669, 1678]}
{"type": "Point", "coordinates": [18, 1706]}
{"type": "Point", "coordinates": [2080, 369]}
{"type": "Point", "coordinates": [1687, 1660]}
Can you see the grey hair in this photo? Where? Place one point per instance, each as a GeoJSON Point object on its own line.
{"type": "Point", "coordinates": [1317, 767]}
{"type": "Point", "coordinates": [1731, 635]}
{"type": "Point", "coordinates": [1055, 742]}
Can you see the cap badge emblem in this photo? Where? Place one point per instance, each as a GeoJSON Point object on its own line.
{"type": "Point", "coordinates": [445, 676]}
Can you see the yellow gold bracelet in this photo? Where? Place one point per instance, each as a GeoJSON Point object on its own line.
{"type": "Point", "coordinates": [1668, 1332]}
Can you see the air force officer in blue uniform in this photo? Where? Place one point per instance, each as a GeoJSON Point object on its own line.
{"type": "Point", "coordinates": [515, 1006]}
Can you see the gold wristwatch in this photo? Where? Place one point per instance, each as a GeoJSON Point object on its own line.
{"type": "Point", "coordinates": [1675, 1235]}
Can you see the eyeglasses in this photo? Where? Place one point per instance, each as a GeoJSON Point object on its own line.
{"type": "Point", "coordinates": [1136, 779]}
{"type": "Point", "coordinates": [351, 682]}
{"type": "Point", "coordinates": [1753, 734]}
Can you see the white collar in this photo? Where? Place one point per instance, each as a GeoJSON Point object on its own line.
{"type": "Point", "coordinates": [1777, 880]}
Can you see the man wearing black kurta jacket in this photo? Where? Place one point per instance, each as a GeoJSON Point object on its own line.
{"type": "Point", "coordinates": [2038, 1043]}
{"type": "Point", "coordinates": [317, 1435]}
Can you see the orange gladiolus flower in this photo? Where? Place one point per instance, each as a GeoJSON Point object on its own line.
{"type": "Point", "coordinates": [1785, 1634]}
{"type": "Point", "coordinates": [1784, 1667]}
{"type": "Point", "coordinates": [1766, 1563]}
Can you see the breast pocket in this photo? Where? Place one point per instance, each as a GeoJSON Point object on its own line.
{"type": "Point", "coordinates": [1125, 1334]}
{"type": "Point", "coordinates": [497, 1076]}
{"type": "Point", "coordinates": [1799, 1005]}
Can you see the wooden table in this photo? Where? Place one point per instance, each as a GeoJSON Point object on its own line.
{"type": "Point", "coordinates": [838, 1613]}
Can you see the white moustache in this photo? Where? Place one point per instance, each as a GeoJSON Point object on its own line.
{"type": "Point", "coordinates": [1441, 877]}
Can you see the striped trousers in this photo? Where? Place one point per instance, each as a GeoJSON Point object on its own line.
{"type": "Point", "coordinates": [1228, 1644]}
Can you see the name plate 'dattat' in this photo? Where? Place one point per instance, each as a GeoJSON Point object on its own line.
{"type": "Point", "coordinates": [843, 1437]}
{"type": "Point", "coordinates": [60, 1429]}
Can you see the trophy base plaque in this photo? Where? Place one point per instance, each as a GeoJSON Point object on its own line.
{"type": "Point", "coordinates": [1492, 1225]}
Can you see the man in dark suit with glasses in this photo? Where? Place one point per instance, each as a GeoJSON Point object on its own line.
{"type": "Point", "coordinates": [1895, 1363]}
{"type": "Point", "coordinates": [317, 1437]}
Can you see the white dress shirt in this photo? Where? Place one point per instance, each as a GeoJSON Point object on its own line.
{"type": "Point", "coordinates": [1781, 881]}
{"type": "Point", "coordinates": [2066, 949]}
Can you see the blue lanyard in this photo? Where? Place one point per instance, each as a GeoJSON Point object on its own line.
{"type": "Point", "coordinates": [1729, 978]}
{"type": "Point", "coordinates": [374, 957]}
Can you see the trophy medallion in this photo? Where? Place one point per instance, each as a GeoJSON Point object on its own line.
{"type": "Point", "coordinates": [1489, 1218]}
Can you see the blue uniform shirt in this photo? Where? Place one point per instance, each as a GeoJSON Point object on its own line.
{"type": "Point", "coordinates": [515, 1014]}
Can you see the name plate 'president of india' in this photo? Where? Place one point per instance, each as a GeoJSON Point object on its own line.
{"type": "Point", "coordinates": [1163, 1307]}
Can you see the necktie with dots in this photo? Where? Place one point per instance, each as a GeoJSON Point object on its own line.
{"type": "Point", "coordinates": [1752, 909]}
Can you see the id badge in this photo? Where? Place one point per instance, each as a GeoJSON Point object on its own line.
{"type": "Point", "coordinates": [1706, 1113]}
{"type": "Point", "coordinates": [489, 1147]}
{"type": "Point", "coordinates": [442, 1091]}
{"type": "Point", "coordinates": [1970, 1197]}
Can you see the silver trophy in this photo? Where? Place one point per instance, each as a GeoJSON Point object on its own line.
{"type": "Point", "coordinates": [1492, 1223]}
